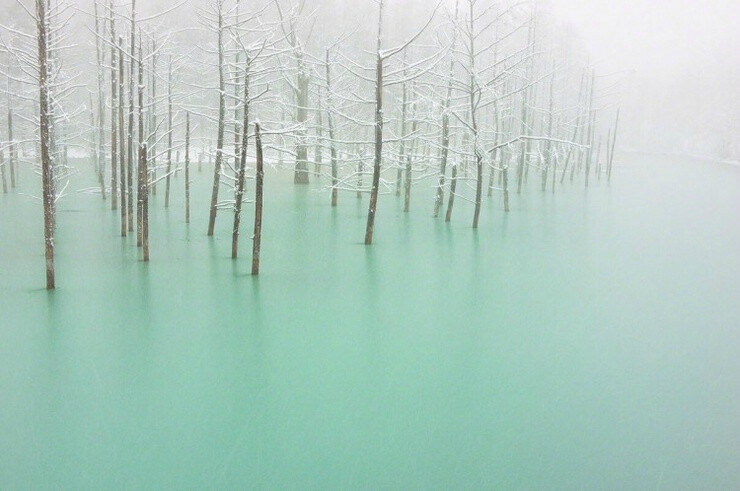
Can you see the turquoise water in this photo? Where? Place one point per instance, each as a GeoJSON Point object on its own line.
{"type": "Point", "coordinates": [585, 340]}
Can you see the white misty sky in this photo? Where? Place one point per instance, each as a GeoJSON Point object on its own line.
{"type": "Point", "coordinates": [656, 37]}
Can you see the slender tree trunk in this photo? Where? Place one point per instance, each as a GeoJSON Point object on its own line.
{"type": "Point", "coordinates": [11, 150]}
{"type": "Point", "coordinates": [169, 137]}
{"type": "Point", "coordinates": [332, 144]}
{"type": "Point", "coordinates": [144, 199]}
{"type": "Point", "coordinates": [369, 230]}
{"type": "Point", "coordinates": [402, 151]}
{"type": "Point", "coordinates": [122, 143]}
{"type": "Point", "coordinates": [113, 113]}
{"type": "Point", "coordinates": [221, 122]}
{"type": "Point", "coordinates": [257, 241]}
{"type": "Point", "coordinates": [2, 172]}
{"type": "Point", "coordinates": [318, 149]}
{"type": "Point", "coordinates": [100, 57]}
{"type": "Point", "coordinates": [131, 110]}
{"type": "Point", "coordinates": [614, 144]}
{"type": "Point", "coordinates": [152, 166]}
{"type": "Point", "coordinates": [187, 167]}
{"type": "Point", "coordinates": [48, 197]}
{"type": "Point", "coordinates": [453, 188]}
{"type": "Point", "coordinates": [409, 159]}
{"type": "Point", "coordinates": [241, 174]}
{"type": "Point", "coordinates": [301, 167]}
{"type": "Point", "coordinates": [142, 177]}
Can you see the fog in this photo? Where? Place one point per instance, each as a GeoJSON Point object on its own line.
{"type": "Point", "coordinates": [683, 59]}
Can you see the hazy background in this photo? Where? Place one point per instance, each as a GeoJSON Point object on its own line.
{"type": "Point", "coordinates": [675, 63]}
{"type": "Point", "coordinates": [683, 56]}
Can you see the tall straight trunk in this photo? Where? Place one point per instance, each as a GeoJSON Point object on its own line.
{"type": "Point", "coordinates": [548, 145]}
{"type": "Point", "coordinates": [144, 199]}
{"type": "Point", "coordinates": [453, 188]}
{"type": "Point", "coordinates": [402, 150]}
{"type": "Point", "coordinates": [611, 153]}
{"type": "Point", "coordinates": [445, 155]}
{"type": "Point", "coordinates": [48, 197]}
{"type": "Point", "coordinates": [301, 94]}
{"type": "Point", "coordinates": [318, 149]}
{"type": "Point", "coordinates": [332, 144]}
{"type": "Point", "coordinates": [113, 113]}
{"type": "Point", "coordinates": [152, 163]}
{"type": "Point", "coordinates": [2, 171]}
{"type": "Point", "coordinates": [131, 109]}
{"type": "Point", "coordinates": [187, 167]}
{"type": "Point", "coordinates": [241, 174]}
{"type": "Point", "coordinates": [409, 157]}
{"type": "Point", "coordinates": [505, 176]}
{"type": "Point", "coordinates": [370, 228]}
{"type": "Point", "coordinates": [142, 177]}
{"type": "Point", "coordinates": [258, 197]}
{"type": "Point", "coordinates": [169, 137]}
{"type": "Point", "coordinates": [11, 150]}
{"type": "Point", "coordinates": [122, 143]}
{"type": "Point", "coordinates": [221, 122]}
{"type": "Point", "coordinates": [525, 145]}
{"type": "Point", "coordinates": [100, 56]}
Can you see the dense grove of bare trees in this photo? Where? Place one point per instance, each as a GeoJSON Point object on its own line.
{"type": "Point", "coordinates": [474, 98]}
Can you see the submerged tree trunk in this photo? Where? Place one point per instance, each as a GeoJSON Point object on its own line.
{"type": "Point", "coordinates": [142, 177]}
{"type": "Point", "coordinates": [44, 136]}
{"type": "Point", "coordinates": [453, 188]}
{"type": "Point", "coordinates": [2, 171]}
{"type": "Point", "coordinates": [122, 144]}
{"type": "Point", "coordinates": [332, 144]}
{"type": "Point", "coordinates": [241, 173]}
{"type": "Point", "coordinates": [258, 197]}
{"type": "Point", "coordinates": [221, 122]}
{"type": "Point", "coordinates": [100, 55]}
{"type": "Point", "coordinates": [144, 200]}
{"type": "Point", "coordinates": [11, 150]}
{"type": "Point", "coordinates": [169, 137]}
{"type": "Point", "coordinates": [113, 114]}
{"type": "Point", "coordinates": [130, 146]}
{"type": "Point", "coordinates": [614, 144]}
{"type": "Point", "coordinates": [301, 166]}
{"type": "Point", "coordinates": [370, 228]}
{"type": "Point", "coordinates": [187, 167]}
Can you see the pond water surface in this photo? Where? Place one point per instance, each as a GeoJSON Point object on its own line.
{"type": "Point", "coordinates": [589, 339]}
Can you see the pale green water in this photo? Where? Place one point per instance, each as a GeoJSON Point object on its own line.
{"type": "Point", "coordinates": [587, 340]}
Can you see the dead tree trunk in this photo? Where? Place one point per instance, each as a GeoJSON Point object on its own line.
{"type": "Point", "coordinates": [241, 175]}
{"type": "Point", "coordinates": [257, 241]}
{"type": "Point", "coordinates": [142, 177]}
{"type": "Point", "coordinates": [169, 137]}
{"type": "Point", "coordinates": [453, 188]}
{"type": "Point", "coordinates": [100, 56]}
{"type": "Point", "coordinates": [122, 143]}
{"type": "Point", "coordinates": [614, 144]}
{"type": "Point", "coordinates": [187, 167]}
{"type": "Point", "coordinates": [2, 171]}
{"type": "Point", "coordinates": [378, 146]}
{"type": "Point", "coordinates": [11, 150]}
{"type": "Point", "coordinates": [144, 200]}
{"type": "Point", "coordinates": [221, 122]}
{"type": "Point", "coordinates": [131, 109]}
{"type": "Point", "coordinates": [152, 166]}
{"type": "Point", "coordinates": [301, 92]}
{"type": "Point", "coordinates": [332, 144]}
{"type": "Point", "coordinates": [48, 197]}
{"type": "Point", "coordinates": [113, 114]}
{"type": "Point", "coordinates": [402, 150]}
